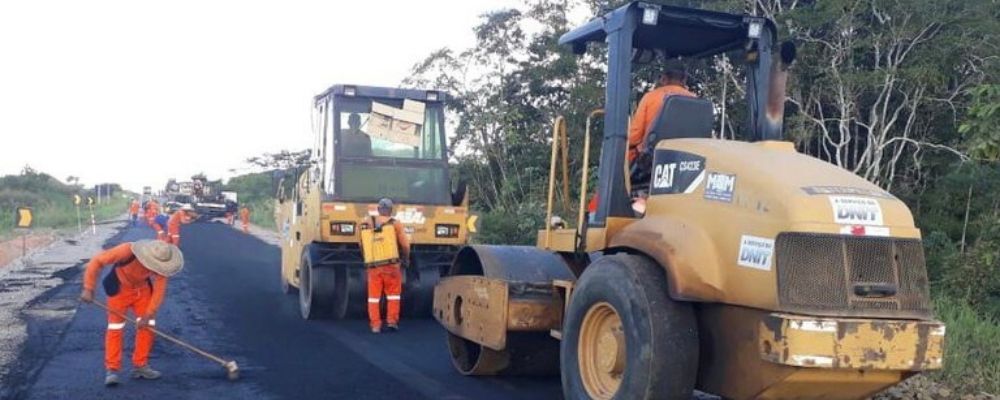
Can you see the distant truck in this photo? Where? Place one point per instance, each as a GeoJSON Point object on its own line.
{"type": "Point", "coordinates": [205, 196]}
{"type": "Point", "coordinates": [209, 199]}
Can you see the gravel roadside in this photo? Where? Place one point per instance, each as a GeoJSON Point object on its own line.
{"type": "Point", "coordinates": [24, 280]}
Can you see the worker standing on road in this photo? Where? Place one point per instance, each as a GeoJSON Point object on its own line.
{"type": "Point", "coordinates": [185, 215]}
{"type": "Point", "coordinates": [245, 219]}
{"type": "Point", "coordinates": [384, 247]}
{"type": "Point", "coordinates": [137, 282]}
{"type": "Point", "coordinates": [152, 210]}
{"type": "Point", "coordinates": [133, 211]}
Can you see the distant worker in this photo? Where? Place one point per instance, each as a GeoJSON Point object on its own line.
{"type": "Point", "coordinates": [152, 210]}
{"type": "Point", "coordinates": [356, 143]}
{"type": "Point", "coordinates": [137, 282]}
{"type": "Point", "coordinates": [245, 219]}
{"type": "Point", "coordinates": [185, 215]}
{"type": "Point", "coordinates": [133, 211]}
{"type": "Point", "coordinates": [384, 247]}
{"type": "Point", "coordinates": [672, 82]}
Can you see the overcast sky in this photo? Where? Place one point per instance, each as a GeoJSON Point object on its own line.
{"type": "Point", "coordinates": [136, 92]}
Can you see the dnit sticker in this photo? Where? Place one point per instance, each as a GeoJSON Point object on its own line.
{"type": "Point", "coordinates": [756, 252]}
{"type": "Point", "coordinates": [856, 210]}
{"type": "Point", "coordinates": [720, 187]}
{"type": "Point", "coordinates": [676, 172]}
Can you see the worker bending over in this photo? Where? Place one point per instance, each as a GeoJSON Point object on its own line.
{"type": "Point", "coordinates": [384, 246]}
{"type": "Point", "coordinates": [184, 216]}
{"type": "Point", "coordinates": [138, 282]}
{"type": "Point", "coordinates": [160, 227]}
{"type": "Point", "coordinates": [245, 219]}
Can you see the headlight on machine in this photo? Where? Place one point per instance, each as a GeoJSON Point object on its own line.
{"type": "Point", "coordinates": [446, 230]}
{"type": "Point", "coordinates": [342, 228]}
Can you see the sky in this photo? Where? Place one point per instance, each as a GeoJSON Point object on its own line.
{"type": "Point", "coordinates": [137, 92]}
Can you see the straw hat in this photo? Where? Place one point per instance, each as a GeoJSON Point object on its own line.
{"type": "Point", "coordinates": [160, 257]}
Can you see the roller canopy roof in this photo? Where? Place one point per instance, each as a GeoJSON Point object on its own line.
{"type": "Point", "coordinates": [679, 32]}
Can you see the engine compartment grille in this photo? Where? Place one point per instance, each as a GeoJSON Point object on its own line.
{"type": "Point", "coordinates": [852, 276]}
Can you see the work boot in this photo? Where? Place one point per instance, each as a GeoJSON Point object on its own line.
{"type": "Point", "coordinates": [111, 378]}
{"type": "Point", "coordinates": [393, 326]}
{"type": "Point", "coordinates": [145, 372]}
{"type": "Point", "coordinates": [376, 329]}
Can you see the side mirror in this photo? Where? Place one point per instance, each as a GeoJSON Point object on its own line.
{"type": "Point", "coordinates": [458, 196]}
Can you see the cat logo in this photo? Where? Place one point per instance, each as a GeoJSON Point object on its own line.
{"type": "Point", "coordinates": [663, 176]}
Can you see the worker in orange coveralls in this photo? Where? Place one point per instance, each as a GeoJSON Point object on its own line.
{"type": "Point", "coordinates": [185, 215]}
{"type": "Point", "coordinates": [152, 210]}
{"type": "Point", "coordinates": [245, 219]}
{"type": "Point", "coordinates": [387, 278]}
{"type": "Point", "coordinates": [133, 211]}
{"type": "Point", "coordinates": [138, 282]}
{"type": "Point", "coordinates": [672, 82]}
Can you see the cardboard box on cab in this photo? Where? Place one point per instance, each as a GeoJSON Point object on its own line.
{"type": "Point", "coordinates": [398, 125]}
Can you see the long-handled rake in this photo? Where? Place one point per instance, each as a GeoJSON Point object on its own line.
{"type": "Point", "coordinates": [232, 370]}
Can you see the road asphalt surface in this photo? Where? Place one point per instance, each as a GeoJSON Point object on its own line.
{"type": "Point", "coordinates": [227, 301]}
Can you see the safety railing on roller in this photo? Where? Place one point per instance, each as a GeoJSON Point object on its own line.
{"type": "Point", "coordinates": [560, 158]}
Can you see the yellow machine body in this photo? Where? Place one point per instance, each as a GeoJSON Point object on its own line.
{"type": "Point", "coordinates": [734, 245]}
{"type": "Point", "coordinates": [317, 221]}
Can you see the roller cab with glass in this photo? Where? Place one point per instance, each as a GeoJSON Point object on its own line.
{"type": "Point", "coordinates": [370, 143]}
{"type": "Point", "coordinates": [753, 271]}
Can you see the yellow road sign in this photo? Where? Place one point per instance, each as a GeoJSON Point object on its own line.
{"type": "Point", "coordinates": [471, 223]}
{"type": "Point", "coordinates": [77, 199]}
{"type": "Point", "coordinates": [90, 201]}
{"type": "Point", "coordinates": [24, 217]}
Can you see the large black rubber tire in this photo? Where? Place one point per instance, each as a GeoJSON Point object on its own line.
{"type": "Point", "coordinates": [316, 288]}
{"type": "Point", "coordinates": [661, 335]}
{"type": "Point", "coordinates": [341, 296]}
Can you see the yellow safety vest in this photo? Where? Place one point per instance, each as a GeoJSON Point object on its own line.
{"type": "Point", "coordinates": [378, 244]}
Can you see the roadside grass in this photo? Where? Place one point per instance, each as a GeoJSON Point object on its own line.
{"type": "Point", "coordinates": [61, 214]}
{"type": "Point", "coordinates": [262, 213]}
{"type": "Point", "coordinates": [972, 349]}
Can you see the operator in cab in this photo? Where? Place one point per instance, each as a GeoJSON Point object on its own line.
{"type": "Point", "coordinates": [385, 248]}
{"type": "Point", "coordinates": [355, 142]}
{"type": "Point", "coordinates": [672, 82]}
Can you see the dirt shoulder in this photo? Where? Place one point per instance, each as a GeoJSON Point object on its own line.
{"type": "Point", "coordinates": [12, 248]}
{"type": "Point", "coordinates": [24, 280]}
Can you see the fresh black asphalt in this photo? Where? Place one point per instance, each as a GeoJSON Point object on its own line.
{"type": "Point", "coordinates": [227, 301]}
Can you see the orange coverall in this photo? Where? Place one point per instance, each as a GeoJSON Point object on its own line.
{"type": "Point", "coordinates": [174, 227]}
{"type": "Point", "coordinates": [152, 209]}
{"type": "Point", "coordinates": [245, 219]}
{"type": "Point", "coordinates": [645, 114]}
{"type": "Point", "coordinates": [387, 279]}
{"type": "Point", "coordinates": [133, 211]}
{"type": "Point", "coordinates": [136, 293]}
